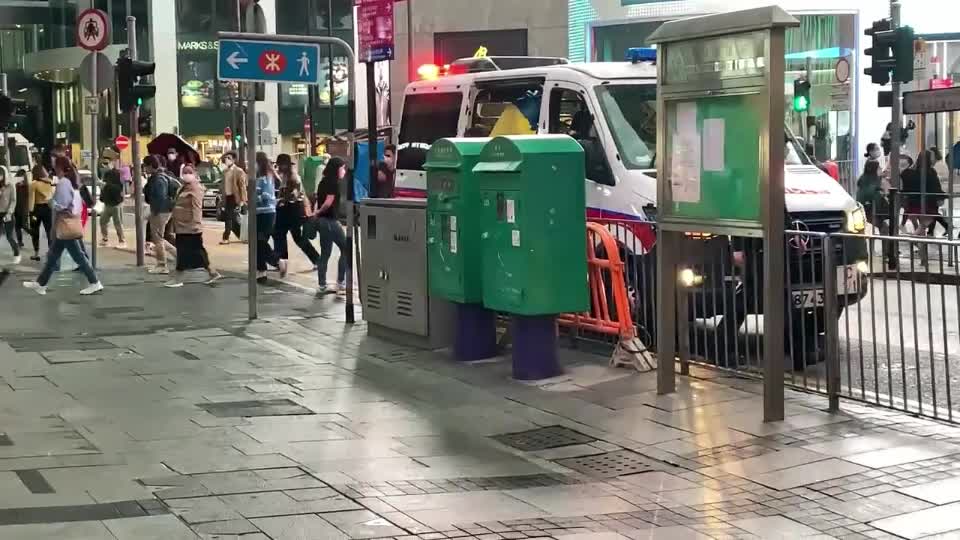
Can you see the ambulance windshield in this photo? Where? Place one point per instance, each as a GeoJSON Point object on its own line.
{"type": "Point", "coordinates": [631, 113]}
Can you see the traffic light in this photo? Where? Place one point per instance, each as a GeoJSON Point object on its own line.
{"type": "Point", "coordinates": [891, 53]}
{"type": "Point", "coordinates": [7, 109]}
{"type": "Point", "coordinates": [801, 95]}
{"type": "Point", "coordinates": [131, 92]}
{"type": "Point", "coordinates": [145, 124]}
{"type": "Point", "coordinates": [903, 54]}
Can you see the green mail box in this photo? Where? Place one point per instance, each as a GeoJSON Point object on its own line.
{"type": "Point", "coordinates": [453, 220]}
{"type": "Point", "coordinates": [533, 216]}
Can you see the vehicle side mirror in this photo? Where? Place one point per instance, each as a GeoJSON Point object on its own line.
{"type": "Point", "coordinates": [597, 168]}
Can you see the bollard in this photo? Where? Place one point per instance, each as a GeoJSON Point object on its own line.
{"type": "Point", "coordinates": [535, 348]}
{"type": "Point", "coordinates": [476, 334]}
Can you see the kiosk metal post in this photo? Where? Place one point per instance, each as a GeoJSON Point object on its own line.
{"type": "Point", "coordinates": [721, 77]}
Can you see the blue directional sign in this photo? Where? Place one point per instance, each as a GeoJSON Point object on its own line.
{"type": "Point", "coordinates": [268, 61]}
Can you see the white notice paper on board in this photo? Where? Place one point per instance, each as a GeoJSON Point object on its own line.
{"type": "Point", "coordinates": [685, 155]}
{"type": "Point", "coordinates": [713, 144]}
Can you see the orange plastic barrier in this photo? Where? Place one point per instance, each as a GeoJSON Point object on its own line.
{"type": "Point", "coordinates": [601, 319]}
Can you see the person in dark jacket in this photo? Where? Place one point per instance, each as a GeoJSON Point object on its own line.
{"type": "Point", "coordinates": [22, 218]}
{"type": "Point", "coordinates": [112, 198]}
{"type": "Point", "coordinates": [923, 196]}
{"type": "Point", "coordinates": [870, 193]}
{"type": "Point", "coordinates": [160, 193]}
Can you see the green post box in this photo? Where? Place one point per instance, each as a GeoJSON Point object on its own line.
{"type": "Point", "coordinates": [453, 220]}
{"type": "Point", "coordinates": [533, 214]}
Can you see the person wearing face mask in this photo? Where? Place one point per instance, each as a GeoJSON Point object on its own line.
{"type": "Point", "coordinates": [8, 206]}
{"type": "Point", "coordinates": [234, 195]}
{"type": "Point", "coordinates": [67, 207]}
{"type": "Point", "coordinates": [329, 231]}
{"type": "Point", "coordinates": [112, 198]}
{"type": "Point", "coordinates": [386, 182]}
{"type": "Point", "coordinates": [174, 163]}
{"type": "Point", "coordinates": [188, 224]}
{"type": "Point", "coordinates": [40, 194]}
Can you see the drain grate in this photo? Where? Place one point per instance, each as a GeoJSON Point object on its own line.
{"type": "Point", "coordinates": [610, 464]}
{"type": "Point", "coordinates": [543, 438]}
{"type": "Point", "coordinates": [269, 407]}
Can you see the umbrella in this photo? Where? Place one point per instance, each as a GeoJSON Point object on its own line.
{"type": "Point", "coordinates": [164, 141]}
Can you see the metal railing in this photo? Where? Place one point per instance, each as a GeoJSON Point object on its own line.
{"type": "Point", "coordinates": [865, 320]}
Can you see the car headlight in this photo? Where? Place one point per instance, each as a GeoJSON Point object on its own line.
{"type": "Point", "coordinates": [688, 278]}
{"type": "Point", "coordinates": [857, 220]}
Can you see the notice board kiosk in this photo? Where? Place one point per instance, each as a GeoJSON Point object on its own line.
{"type": "Point", "coordinates": [720, 98]}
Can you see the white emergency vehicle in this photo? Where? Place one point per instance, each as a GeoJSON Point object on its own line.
{"type": "Point", "coordinates": [610, 109]}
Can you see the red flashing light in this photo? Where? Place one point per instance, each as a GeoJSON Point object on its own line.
{"type": "Point", "coordinates": [428, 72]}
{"type": "Point", "coordinates": [432, 72]}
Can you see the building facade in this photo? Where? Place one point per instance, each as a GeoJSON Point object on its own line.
{"type": "Point", "coordinates": [206, 107]}
{"type": "Point", "coordinates": [445, 30]}
{"type": "Point", "coordinates": [829, 44]}
{"type": "Point", "coordinates": [38, 52]}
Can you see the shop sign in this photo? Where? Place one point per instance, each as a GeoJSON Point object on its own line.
{"type": "Point", "coordinates": [198, 45]}
{"type": "Point", "coordinates": [375, 30]}
{"type": "Point", "coordinates": [921, 60]}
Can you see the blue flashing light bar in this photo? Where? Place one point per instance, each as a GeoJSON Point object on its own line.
{"type": "Point", "coordinates": [641, 54]}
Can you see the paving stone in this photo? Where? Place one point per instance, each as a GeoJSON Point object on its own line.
{"type": "Point", "coordinates": [90, 530]}
{"type": "Point", "coordinates": [362, 524]}
{"type": "Point", "coordinates": [231, 527]}
{"type": "Point", "coordinates": [270, 407]}
{"type": "Point", "coordinates": [150, 528]}
{"type": "Point", "coordinates": [34, 481]}
{"type": "Point", "coordinates": [300, 527]}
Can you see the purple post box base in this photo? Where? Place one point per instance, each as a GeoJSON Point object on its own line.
{"type": "Point", "coordinates": [476, 337]}
{"type": "Point", "coordinates": [535, 348]}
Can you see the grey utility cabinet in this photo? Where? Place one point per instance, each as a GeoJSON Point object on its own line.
{"type": "Point", "coordinates": [393, 252]}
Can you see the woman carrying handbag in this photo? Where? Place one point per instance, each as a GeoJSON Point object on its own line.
{"type": "Point", "coordinates": [68, 230]}
{"type": "Point", "coordinates": [292, 210]}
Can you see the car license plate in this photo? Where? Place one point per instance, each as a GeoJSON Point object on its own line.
{"type": "Point", "coordinates": [848, 282]}
{"type": "Point", "coordinates": [209, 203]}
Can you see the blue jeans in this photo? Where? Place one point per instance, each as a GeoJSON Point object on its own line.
{"type": "Point", "coordinates": [330, 232]}
{"type": "Point", "coordinates": [9, 231]}
{"type": "Point", "coordinates": [73, 247]}
{"type": "Point", "coordinates": [83, 249]}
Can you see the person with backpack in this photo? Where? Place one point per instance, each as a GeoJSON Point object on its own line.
{"type": "Point", "coordinates": [112, 198]}
{"type": "Point", "coordinates": [160, 194]}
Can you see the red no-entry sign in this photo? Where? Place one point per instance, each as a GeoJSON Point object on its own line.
{"type": "Point", "coordinates": [122, 142]}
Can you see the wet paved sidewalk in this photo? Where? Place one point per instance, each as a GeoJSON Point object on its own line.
{"type": "Point", "coordinates": [160, 414]}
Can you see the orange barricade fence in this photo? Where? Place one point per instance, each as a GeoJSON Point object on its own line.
{"type": "Point", "coordinates": [608, 284]}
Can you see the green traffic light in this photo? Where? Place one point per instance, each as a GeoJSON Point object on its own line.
{"type": "Point", "coordinates": [140, 102]}
{"type": "Point", "coordinates": [801, 103]}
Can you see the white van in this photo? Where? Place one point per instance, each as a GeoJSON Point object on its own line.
{"type": "Point", "coordinates": [21, 154]}
{"type": "Point", "coordinates": [610, 108]}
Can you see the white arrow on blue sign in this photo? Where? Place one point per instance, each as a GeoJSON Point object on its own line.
{"type": "Point", "coordinates": [268, 61]}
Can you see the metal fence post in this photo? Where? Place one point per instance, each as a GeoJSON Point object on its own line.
{"type": "Point", "coordinates": [831, 324]}
{"type": "Point", "coordinates": [683, 329]}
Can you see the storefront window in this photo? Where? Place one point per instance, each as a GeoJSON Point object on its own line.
{"type": "Point", "coordinates": [826, 45]}
{"type": "Point", "coordinates": [610, 42]}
